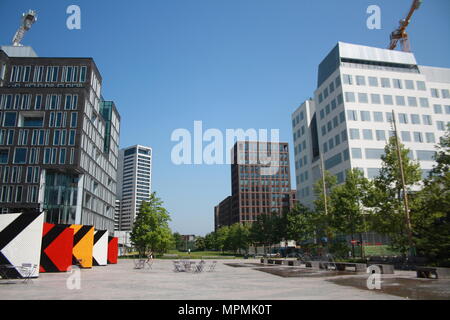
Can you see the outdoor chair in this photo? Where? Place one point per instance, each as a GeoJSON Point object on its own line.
{"type": "Point", "coordinates": [177, 267]}
{"type": "Point", "coordinates": [139, 263]}
{"type": "Point", "coordinates": [27, 270]}
{"type": "Point", "coordinates": [212, 266]}
{"type": "Point", "coordinates": [199, 268]}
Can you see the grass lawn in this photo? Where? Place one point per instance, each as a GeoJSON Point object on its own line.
{"type": "Point", "coordinates": [382, 250]}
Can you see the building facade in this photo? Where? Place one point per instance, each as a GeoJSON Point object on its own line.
{"type": "Point", "coordinates": [58, 139]}
{"type": "Point", "coordinates": [135, 183]}
{"type": "Point", "coordinates": [260, 182]}
{"type": "Point", "coordinates": [349, 121]}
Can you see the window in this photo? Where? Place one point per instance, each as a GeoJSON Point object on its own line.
{"type": "Point", "coordinates": [56, 137]}
{"type": "Point", "coordinates": [360, 80]}
{"type": "Point", "coordinates": [427, 120]}
{"type": "Point", "coordinates": [329, 126]}
{"type": "Point", "coordinates": [403, 118]}
{"type": "Point", "coordinates": [327, 109]}
{"type": "Point", "coordinates": [437, 109]}
{"type": "Point", "coordinates": [365, 116]}
{"type": "Point", "coordinates": [324, 130]}
{"type": "Point", "coordinates": [447, 109]}
{"type": "Point", "coordinates": [400, 101]}
{"type": "Point", "coordinates": [325, 147]}
{"type": "Point", "coordinates": [62, 156]}
{"type": "Point", "coordinates": [68, 102]}
{"type": "Point", "coordinates": [320, 97]}
{"type": "Point", "coordinates": [435, 93]}
{"type": "Point", "coordinates": [4, 156]}
{"type": "Point", "coordinates": [325, 93]}
{"type": "Point", "coordinates": [340, 100]}
{"type": "Point", "coordinates": [33, 121]}
{"type": "Point", "coordinates": [421, 86]}
{"type": "Point", "coordinates": [373, 81]}
{"type": "Point", "coordinates": [388, 100]}
{"type": "Point", "coordinates": [47, 153]}
{"type": "Point", "coordinates": [409, 84]}
{"type": "Point", "coordinates": [10, 119]}
{"type": "Point", "coordinates": [356, 153]}
{"type": "Point", "coordinates": [337, 140]}
{"type": "Point", "coordinates": [412, 101]}
{"type": "Point", "coordinates": [415, 119]}
{"type": "Point", "coordinates": [418, 137]}
{"type": "Point", "coordinates": [335, 122]}
{"type": "Point", "coordinates": [83, 74]}
{"type": "Point", "coordinates": [333, 104]}
{"type": "Point", "coordinates": [341, 116]}
{"type": "Point", "coordinates": [348, 79]}
{"type": "Point", "coordinates": [429, 136]}
{"type": "Point", "coordinates": [372, 173]}
{"type": "Point", "coordinates": [406, 136]}
{"type": "Point", "coordinates": [73, 120]}
{"type": "Point", "coordinates": [331, 87]}
{"type": "Point", "coordinates": [381, 135]}
{"type": "Point", "coordinates": [20, 156]}
{"type": "Point", "coordinates": [330, 144]}
{"type": "Point", "coordinates": [378, 116]}
{"type": "Point", "coordinates": [354, 134]}
{"type": "Point", "coordinates": [352, 115]}
{"type": "Point", "coordinates": [337, 82]}
{"type": "Point", "coordinates": [440, 125]}
{"type": "Point", "coordinates": [333, 161]}
{"type": "Point", "coordinates": [445, 94]}
{"type": "Point", "coordinates": [344, 135]}
{"type": "Point", "coordinates": [385, 83]}
{"type": "Point", "coordinates": [374, 153]}
{"type": "Point", "coordinates": [72, 137]}
{"type": "Point", "coordinates": [362, 98]}
{"type": "Point", "coordinates": [397, 83]}
{"type": "Point", "coordinates": [350, 97]}
{"type": "Point", "coordinates": [375, 98]}
{"type": "Point", "coordinates": [424, 155]}
{"type": "Point", "coordinates": [424, 102]}
{"type": "Point", "coordinates": [367, 134]}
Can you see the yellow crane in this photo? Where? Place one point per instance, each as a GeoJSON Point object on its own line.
{"type": "Point", "coordinates": [400, 34]}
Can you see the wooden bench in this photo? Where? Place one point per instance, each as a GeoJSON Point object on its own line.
{"type": "Point", "coordinates": [433, 272]}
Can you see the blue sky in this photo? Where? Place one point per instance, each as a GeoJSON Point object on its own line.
{"type": "Point", "coordinates": [230, 63]}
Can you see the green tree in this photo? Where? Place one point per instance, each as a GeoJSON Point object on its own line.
{"type": "Point", "coordinates": [323, 207]}
{"type": "Point", "coordinates": [151, 230]}
{"type": "Point", "coordinates": [239, 237]}
{"type": "Point", "coordinates": [211, 241]}
{"type": "Point", "coordinates": [432, 228]}
{"type": "Point", "coordinates": [347, 202]}
{"type": "Point", "coordinates": [178, 241]}
{"type": "Point", "coordinates": [386, 198]}
{"type": "Point", "coordinates": [200, 243]}
{"type": "Point", "coordinates": [301, 225]}
{"type": "Point", "coordinates": [223, 239]}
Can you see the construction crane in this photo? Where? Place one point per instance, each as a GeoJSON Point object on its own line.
{"type": "Point", "coordinates": [27, 21]}
{"type": "Point", "coordinates": [400, 33]}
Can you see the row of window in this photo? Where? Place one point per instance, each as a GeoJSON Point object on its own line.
{"type": "Point", "coordinates": [386, 83]}
{"type": "Point", "coordinates": [380, 135]}
{"type": "Point", "coordinates": [15, 194]}
{"type": "Point", "coordinates": [388, 99]}
{"type": "Point", "coordinates": [377, 116]}
{"type": "Point", "coordinates": [48, 74]}
{"type": "Point", "coordinates": [375, 154]}
{"type": "Point", "coordinates": [25, 101]}
{"type": "Point", "coordinates": [14, 174]}
{"type": "Point", "coordinates": [26, 120]}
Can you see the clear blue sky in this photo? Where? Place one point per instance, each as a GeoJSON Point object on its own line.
{"type": "Point", "coordinates": [230, 63]}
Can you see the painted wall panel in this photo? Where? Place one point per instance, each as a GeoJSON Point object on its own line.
{"type": "Point", "coordinates": [57, 247]}
{"type": "Point", "coordinates": [100, 253]}
{"type": "Point", "coordinates": [20, 241]}
{"type": "Point", "coordinates": [113, 250]}
{"type": "Point", "coordinates": [83, 244]}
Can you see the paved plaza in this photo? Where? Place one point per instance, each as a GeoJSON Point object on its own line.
{"type": "Point", "coordinates": [241, 282]}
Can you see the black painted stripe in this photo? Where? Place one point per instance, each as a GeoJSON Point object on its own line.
{"type": "Point", "coordinates": [50, 236]}
{"type": "Point", "coordinates": [16, 227]}
{"type": "Point", "coordinates": [10, 273]}
{"type": "Point", "coordinates": [94, 262]}
{"type": "Point", "coordinates": [80, 234]}
{"type": "Point", "coordinates": [98, 234]}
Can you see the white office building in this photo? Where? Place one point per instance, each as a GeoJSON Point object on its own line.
{"type": "Point", "coordinates": [135, 184]}
{"type": "Point", "coordinates": [348, 120]}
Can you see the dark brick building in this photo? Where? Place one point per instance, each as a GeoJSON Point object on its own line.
{"type": "Point", "coordinates": [58, 139]}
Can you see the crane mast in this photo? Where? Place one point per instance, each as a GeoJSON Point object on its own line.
{"type": "Point", "coordinates": [27, 21]}
{"type": "Point", "coordinates": [399, 34]}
